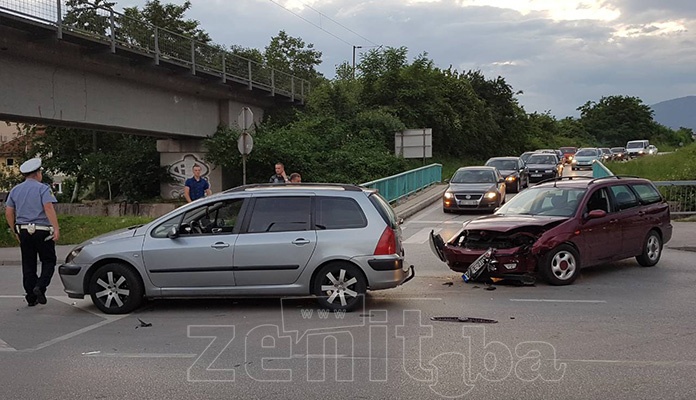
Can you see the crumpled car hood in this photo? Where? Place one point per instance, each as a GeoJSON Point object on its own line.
{"type": "Point", "coordinates": [504, 223]}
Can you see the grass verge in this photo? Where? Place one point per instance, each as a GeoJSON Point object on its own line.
{"type": "Point", "coordinates": [675, 166]}
{"type": "Point", "coordinates": [76, 229]}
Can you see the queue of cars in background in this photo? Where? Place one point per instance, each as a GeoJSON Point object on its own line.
{"type": "Point", "coordinates": [530, 167]}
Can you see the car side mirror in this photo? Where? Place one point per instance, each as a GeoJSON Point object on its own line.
{"type": "Point", "coordinates": [596, 214]}
{"type": "Point", "coordinates": [447, 180]}
{"type": "Point", "coordinates": [501, 180]}
{"type": "Point", "coordinates": [400, 221]}
{"type": "Point", "coordinates": [173, 232]}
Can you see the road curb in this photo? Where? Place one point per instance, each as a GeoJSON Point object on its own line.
{"type": "Point", "coordinates": [434, 195]}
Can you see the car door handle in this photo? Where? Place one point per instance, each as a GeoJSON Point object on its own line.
{"type": "Point", "coordinates": [641, 213]}
{"type": "Point", "coordinates": [220, 245]}
{"type": "Point", "coordinates": [613, 221]}
{"type": "Point", "coordinates": [300, 241]}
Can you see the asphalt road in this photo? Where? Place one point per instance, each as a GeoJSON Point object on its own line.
{"type": "Point", "coordinates": [620, 332]}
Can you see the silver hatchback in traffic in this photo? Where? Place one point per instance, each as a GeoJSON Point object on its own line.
{"type": "Point", "coordinates": [332, 241]}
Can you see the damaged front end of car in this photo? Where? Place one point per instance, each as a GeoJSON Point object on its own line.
{"type": "Point", "coordinates": [505, 252]}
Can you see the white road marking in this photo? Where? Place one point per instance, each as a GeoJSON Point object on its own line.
{"type": "Point", "coordinates": [5, 347]}
{"type": "Point", "coordinates": [634, 362]}
{"type": "Point", "coordinates": [558, 301]}
{"type": "Point", "coordinates": [435, 222]}
{"type": "Point", "coordinates": [422, 236]}
{"type": "Point", "coordinates": [66, 300]}
{"type": "Point", "coordinates": [425, 211]}
{"type": "Point", "coordinates": [71, 335]}
{"type": "Point", "coordinates": [142, 355]}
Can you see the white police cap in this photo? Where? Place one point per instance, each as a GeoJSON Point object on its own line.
{"type": "Point", "coordinates": [30, 166]}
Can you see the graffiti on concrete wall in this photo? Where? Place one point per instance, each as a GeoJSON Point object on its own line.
{"type": "Point", "coordinates": [183, 169]}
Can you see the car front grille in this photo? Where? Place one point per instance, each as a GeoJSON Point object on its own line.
{"type": "Point", "coordinates": [468, 196]}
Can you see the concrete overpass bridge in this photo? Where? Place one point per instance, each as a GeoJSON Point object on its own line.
{"type": "Point", "coordinates": [126, 76]}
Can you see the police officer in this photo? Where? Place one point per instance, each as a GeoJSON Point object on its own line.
{"type": "Point", "coordinates": [32, 218]}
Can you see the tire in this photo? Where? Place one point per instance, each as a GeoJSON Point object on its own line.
{"type": "Point", "coordinates": [116, 289]}
{"type": "Point", "coordinates": [340, 286]}
{"type": "Point", "coordinates": [518, 187]}
{"type": "Point", "coordinates": [446, 211]}
{"type": "Point", "coordinates": [561, 266]}
{"type": "Point", "coordinates": [652, 250]}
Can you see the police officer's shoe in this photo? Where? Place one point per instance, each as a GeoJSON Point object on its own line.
{"type": "Point", "coordinates": [40, 296]}
{"type": "Point", "coordinates": [31, 300]}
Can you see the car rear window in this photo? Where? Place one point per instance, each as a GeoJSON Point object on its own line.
{"type": "Point", "coordinates": [647, 193]}
{"type": "Point", "coordinates": [339, 213]}
{"type": "Point", "coordinates": [624, 197]}
{"type": "Point", "coordinates": [280, 214]}
{"type": "Point", "coordinates": [384, 209]}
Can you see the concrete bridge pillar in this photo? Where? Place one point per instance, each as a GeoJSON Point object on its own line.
{"type": "Point", "coordinates": [180, 155]}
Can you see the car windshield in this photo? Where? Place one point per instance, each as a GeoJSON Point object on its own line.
{"type": "Point", "coordinates": [586, 153]}
{"type": "Point", "coordinates": [541, 159]}
{"type": "Point", "coordinates": [473, 176]}
{"type": "Point", "coordinates": [617, 149]}
{"type": "Point", "coordinates": [503, 164]}
{"type": "Point", "coordinates": [635, 145]}
{"type": "Point", "coordinates": [566, 150]}
{"type": "Point", "coordinates": [525, 156]}
{"type": "Point", "coordinates": [548, 201]}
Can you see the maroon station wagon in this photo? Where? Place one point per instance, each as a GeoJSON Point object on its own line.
{"type": "Point", "coordinates": [556, 228]}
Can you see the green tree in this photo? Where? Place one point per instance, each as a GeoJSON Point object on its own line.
{"type": "Point", "coordinates": [287, 53]}
{"type": "Point", "coordinates": [615, 120]}
{"type": "Point", "coordinates": [88, 15]}
{"type": "Point", "coordinates": [114, 165]}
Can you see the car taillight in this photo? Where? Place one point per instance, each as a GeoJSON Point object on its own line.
{"type": "Point", "coordinates": [387, 243]}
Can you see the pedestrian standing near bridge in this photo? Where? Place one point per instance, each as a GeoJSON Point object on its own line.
{"type": "Point", "coordinates": [196, 187]}
{"type": "Point", "coordinates": [33, 220]}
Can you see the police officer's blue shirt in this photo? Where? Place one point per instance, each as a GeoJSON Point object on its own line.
{"type": "Point", "coordinates": [197, 188]}
{"type": "Point", "coordinates": [28, 199]}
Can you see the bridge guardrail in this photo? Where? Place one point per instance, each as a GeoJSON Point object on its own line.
{"type": "Point", "coordinates": [122, 32]}
{"type": "Point", "coordinates": [681, 196]}
{"type": "Point", "coordinates": [400, 185]}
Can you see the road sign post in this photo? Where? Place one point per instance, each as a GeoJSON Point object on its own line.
{"type": "Point", "coordinates": [245, 142]}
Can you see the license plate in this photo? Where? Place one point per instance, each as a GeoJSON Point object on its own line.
{"type": "Point", "coordinates": [536, 175]}
{"type": "Point", "coordinates": [475, 267]}
{"type": "Point", "coordinates": [468, 202]}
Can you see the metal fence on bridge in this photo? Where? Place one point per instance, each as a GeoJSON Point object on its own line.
{"type": "Point", "coordinates": [111, 28]}
{"type": "Point", "coordinates": [400, 185]}
{"type": "Point", "coordinates": [681, 196]}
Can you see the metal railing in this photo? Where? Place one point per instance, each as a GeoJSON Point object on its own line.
{"type": "Point", "coordinates": [680, 195]}
{"type": "Point", "coordinates": [119, 31]}
{"type": "Point", "coordinates": [397, 186]}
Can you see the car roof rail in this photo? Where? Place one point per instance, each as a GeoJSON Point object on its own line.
{"type": "Point", "coordinates": [568, 178]}
{"type": "Point", "coordinates": [301, 185]}
{"type": "Point", "coordinates": [615, 177]}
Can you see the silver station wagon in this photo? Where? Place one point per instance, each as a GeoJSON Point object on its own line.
{"type": "Point", "coordinates": [329, 240]}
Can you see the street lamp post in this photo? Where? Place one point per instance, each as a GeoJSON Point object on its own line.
{"type": "Point", "coordinates": [355, 47]}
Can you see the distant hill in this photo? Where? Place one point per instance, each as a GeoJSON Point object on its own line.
{"type": "Point", "coordinates": [676, 113]}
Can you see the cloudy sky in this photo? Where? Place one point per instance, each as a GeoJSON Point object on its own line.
{"type": "Point", "coordinates": [559, 53]}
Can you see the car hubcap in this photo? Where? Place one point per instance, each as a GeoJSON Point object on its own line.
{"type": "Point", "coordinates": [563, 265]}
{"type": "Point", "coordinates": [339, 289]}
{"type": "Point", "coordinates": [115, 290]}
{"type": "Point", "coordinates": [653, 248]}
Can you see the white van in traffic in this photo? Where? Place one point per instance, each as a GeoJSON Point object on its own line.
{"type": "Point", "coordinates": [635, 148]}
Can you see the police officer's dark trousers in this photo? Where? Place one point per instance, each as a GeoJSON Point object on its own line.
{"type": "Point", "coordinates": [33, 245]}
